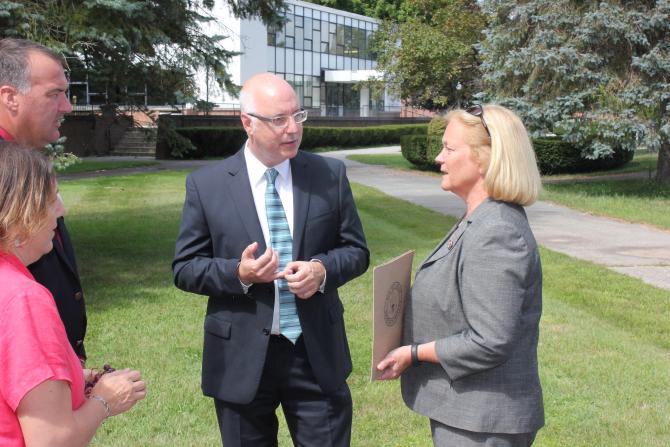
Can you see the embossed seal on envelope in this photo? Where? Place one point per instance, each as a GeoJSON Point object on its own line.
{"type": "Point", "coordinates": [393, 304]}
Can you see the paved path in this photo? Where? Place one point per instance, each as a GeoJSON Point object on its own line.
{"type": "Point", "coordinates": [633, 249]}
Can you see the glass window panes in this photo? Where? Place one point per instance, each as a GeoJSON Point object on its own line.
{"type": "Point", "coordinates": [298, 39]}
{"type": "Point", "coordinates": [316, 64]}
{"type": "Point", "coordinates": [299, 11]}
{"type": "Point", "coordinates": [307, 12]}
{"type": "Point", "coordinates": [280, 60]}
{"type": "Point", "coordinates": [308, 26]}
{"type": "Point", "coordinates": [270, 57]}
{"type": "Point", "coordinates": [324, 61]}
{"type": "Point", "coordinates": [316, 24]}
{"type": "Point", "coordinates": [289, 42]}
{"type": "Point", "coordinates": [298, 21]}
{"type": "Point", "coordinates": [324, 47]}
{"type": "Point", "coordinates": [290, 68]}
{"type": "Point", "coordinates": [316, 94]}
{"type": "Point", "coordinates": [290, 25]}
{"type": "Point", "coordinates": [308, 45]}
{"type": "Point", "coordinates": [280, 40]}
{"type": "Point", "coordinates": [298, 62]}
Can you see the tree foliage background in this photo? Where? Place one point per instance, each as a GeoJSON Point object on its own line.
{"type": "Point", "coordinates": [597, 73]}
{"type": "Point", "coordinates": [123, 44]}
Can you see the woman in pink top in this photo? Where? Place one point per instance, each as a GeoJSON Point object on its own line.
{"type": "Point", "coordinates": [42, 400]}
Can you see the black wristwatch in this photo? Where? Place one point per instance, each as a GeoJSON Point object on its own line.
{"type": "Point", "coordinates": [414, 349]}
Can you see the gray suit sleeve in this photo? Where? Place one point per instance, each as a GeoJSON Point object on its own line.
{"type": "Point", "coordinates": [495, 271]}
{"type": "Point", "coordinates": [195, 268]}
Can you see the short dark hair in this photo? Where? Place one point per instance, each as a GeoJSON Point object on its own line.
{"type": "Point", "coordinates": [14, 66]}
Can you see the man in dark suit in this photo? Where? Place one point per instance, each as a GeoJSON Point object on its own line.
{"type": "Point", "coordinates": [274, 329]}
{"type": "Point", "coordinates": [32, 105]}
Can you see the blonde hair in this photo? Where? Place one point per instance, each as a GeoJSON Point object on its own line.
{"type": "Point", "coordinates": [27, 185]}
{"type": "Point", "coordinates": [506, 156]}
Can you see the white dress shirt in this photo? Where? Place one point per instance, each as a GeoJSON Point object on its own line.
{"type": "Point", "coordinates": [284, 186]}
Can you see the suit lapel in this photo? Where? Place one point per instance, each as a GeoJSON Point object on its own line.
{"type": "Point", "coordinates": [63, 248]}
{"type": "Point", "coordinates": [302, 185]}
{"type": "Point", "coordinates": [241, 195]}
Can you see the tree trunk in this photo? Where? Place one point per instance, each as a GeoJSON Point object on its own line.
{"type": "Point", "coordinates": [663, 168]}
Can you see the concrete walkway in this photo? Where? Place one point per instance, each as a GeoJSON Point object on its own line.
{"type": "Point", "coordinates": [632, 249]}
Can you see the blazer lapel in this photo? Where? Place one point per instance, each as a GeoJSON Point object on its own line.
{"type": "Point", "coordinates": [447, 244]}
{"type": "Point", "coordinates": [241, 195]}
{"type": "Point", "coordinates": [302, 186]}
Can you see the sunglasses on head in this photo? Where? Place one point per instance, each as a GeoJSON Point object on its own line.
{"type": "Point", "coordinates": [478, 111]}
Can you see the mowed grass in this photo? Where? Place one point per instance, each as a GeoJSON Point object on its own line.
{"type": "Point", "coordinates": [604, 346]}
{"type": "Point", "coordinates": [92, 165]}
{"type": "Point", "coordinates": [639, 201]}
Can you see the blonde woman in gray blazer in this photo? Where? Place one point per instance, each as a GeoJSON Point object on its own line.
{"type": "Point", "coordinates": [472, 323]}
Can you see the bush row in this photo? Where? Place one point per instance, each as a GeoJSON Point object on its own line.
{"type": "Point", "coordinates": [225, 141]}
{"type": "Point", "coordinates": [554, 156]}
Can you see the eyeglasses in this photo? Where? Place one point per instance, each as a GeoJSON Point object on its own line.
{"type": "Point", "coordinates": [281, 121]}
{"type": "Point", "coordinates": [478, 111]}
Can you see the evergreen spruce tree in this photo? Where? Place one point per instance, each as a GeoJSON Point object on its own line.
{"type": "Point", "coordinates": [595, 72]}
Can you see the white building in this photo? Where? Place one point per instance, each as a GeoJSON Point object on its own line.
{"type": "Point", "coordinates": [323, 52]}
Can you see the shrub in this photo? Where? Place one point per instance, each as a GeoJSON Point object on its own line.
{"type": "Point", "coordinates": [225, 141]}
{"type": "Point", "coordinates": [555, 156]}
{"type": "Point", "coordinates": [437, 126]}
{"type": "Point", "coordinates": [421, 151]}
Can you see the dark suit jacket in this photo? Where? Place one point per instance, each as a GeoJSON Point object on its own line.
{"type": "Point", "coordinates": [219, 221]}
{"type": "Point", "coordinates": [479, 296]}
{"type": "Point", "coordinates": [57, 271]}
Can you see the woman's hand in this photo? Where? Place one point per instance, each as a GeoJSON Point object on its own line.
{"type": "Point", "coordinates": [121, 389]}
{"type": "Point", "coordinates": [395, 363]}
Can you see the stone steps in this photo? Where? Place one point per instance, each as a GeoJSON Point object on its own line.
{"type": "Point", "coordinates": [137, 142]}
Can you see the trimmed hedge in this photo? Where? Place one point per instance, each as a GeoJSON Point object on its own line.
{"type": "Point", "coordinates": [554, 156]}
{"type": "Point", "coordinates": [421, 151]}
{"type": "Point", "coordinates": [225, 141]}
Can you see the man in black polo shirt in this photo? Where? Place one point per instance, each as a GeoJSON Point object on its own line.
{"type": "Point", "coordinates": [32, 106]}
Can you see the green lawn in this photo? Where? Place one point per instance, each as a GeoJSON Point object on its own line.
{"type": "Point", "coordinates": [640, 201]}
{"type": "Point", "coordinates": [395, 161]}
{"type": "Point", "coordinates": [91, 164]}
{"type": "Point", "coordinates": [604, 345]}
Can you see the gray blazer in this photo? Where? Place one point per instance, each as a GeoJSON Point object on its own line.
{"type": "Point", "coordinates": [479, 296]}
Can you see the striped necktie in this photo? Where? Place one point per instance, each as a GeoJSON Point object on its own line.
{"type": "Point", "coordinates": [282, 243]}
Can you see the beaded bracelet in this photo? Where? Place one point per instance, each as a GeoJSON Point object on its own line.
{"type": "Point", "coordinates": [103, 402]}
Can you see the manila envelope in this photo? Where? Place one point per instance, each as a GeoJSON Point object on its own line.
{"type": "Point", "coordinates": [390, 290]}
